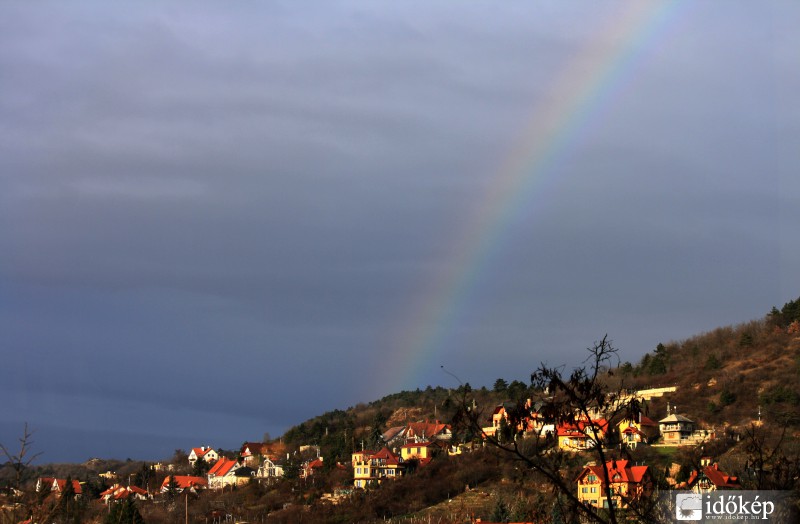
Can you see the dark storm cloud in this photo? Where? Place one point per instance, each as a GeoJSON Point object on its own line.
{"type": "Point", "coordinates": [212, 209]}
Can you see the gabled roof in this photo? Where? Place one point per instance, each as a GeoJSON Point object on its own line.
{"type": "Point", "coordinates": [185, 482]}
{"type": "Point", "coordinates": [675, 418]}
{"type": "Point", "coordinates": [391, 433]}
{"type": "Point", "coordinates": [253, 448]}
{"type": "Point", "coordinates": [618, 472]}
{"type": "Point", "coordinates": [200, 452]}
{"type": "Point", "coordinates": [222, 467]}
{"type": "Point", "coordinates": [719, 478]}
{"type": "Point", "coordinates": [60, 484]}
{"type": "Point", "coordinates": [426, 429]}
{"type": "Point", "coordinates": [582, 428]}
{"type": "Point", "coordinates": [386, 455]}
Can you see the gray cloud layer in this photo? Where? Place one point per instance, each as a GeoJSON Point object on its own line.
{"type": "Point", "coordinates": [220, 212]}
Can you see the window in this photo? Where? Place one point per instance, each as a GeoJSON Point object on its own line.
{"type": "Point", "coordinates": [584, 490]}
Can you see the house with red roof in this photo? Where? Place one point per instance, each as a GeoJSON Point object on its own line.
{"type": "Point", "coordinates": [312, 467]}
{"type": "Point", "coordinates": [626, 484]}
{"type": "Point", "coordinates": [711, 478]}
{"type": "Point", "coordinates": [204, 453]}
{"type": "Point", "coordinates": [427, 430]}
{"type": "Point", "coordinates": [581, 435]}
{"type": "Point", "coordinates": [252, 452]}
{"type": "Point", "coordinates": [642, 430]}
{"type": "Point", "coordinates": [422, 452]}
{"type": "Point", "coordinates": [184, 482]}
{"type": "Point", "coordinates": [374, 467]}
{"type": "Point", "coordinates": [120, 492]}
{"type": "Point", "coordinates": [227, 472]}
{"type": "Point", "coordinates": [57, 486]}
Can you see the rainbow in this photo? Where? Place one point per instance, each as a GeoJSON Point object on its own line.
{"type": "Point", "coordinates": [586, 85]}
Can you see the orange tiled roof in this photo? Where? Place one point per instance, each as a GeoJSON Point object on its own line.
{"type": "Point", "coordinates": [185, 481]}
{"type": "Point", "coordinates": [62, 483]}
{"type": "Point", "coordinates": [619, 469]}
{"type": "Point", "coordinates": [426, 429]}
{"type": "Point", "coordinates": [581, 428]}
{"type": "Point", "coordinates": [719, 478]}
{"type": "Point", "coordinates": [222, 467]}
{"type": "Point", "coordinates": [386, 455]}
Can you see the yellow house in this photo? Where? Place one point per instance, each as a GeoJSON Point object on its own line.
{"type": "Point", "coordinates": [627, 484]}
{"type": "Point", "coordinates": [640, 431]}
{"type": "Point", "coordinates": [582, 435]}
{"type": "Point", "coordinates": [371, 467]}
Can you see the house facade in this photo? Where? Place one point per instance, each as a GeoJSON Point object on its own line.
{"type": "Point", "coordinates": [711, 478]}
{"type": "Point", "coordinates": [375, 467]}
{"type": "Point", "coordinates": [184, 482]}
{"type": "Point", "coordinates": [270, 469]}
{"type": "Point", "coordinates": [626, 484]}
{"type": "Point", "coordinates": [204, 453]}
{"type": "Point", "coordinates": [643, 430]}
{"type": "Point", "coordinates": [582, 435]}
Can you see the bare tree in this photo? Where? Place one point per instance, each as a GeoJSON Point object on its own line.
{"type": "Point", "coordinates": [19, 461]}
{"type": "Point", "coordinates": [557, 399]}
{"type": "Point", "coordinates": [22, 459]}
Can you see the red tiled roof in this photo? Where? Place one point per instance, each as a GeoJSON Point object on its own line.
{"type": "Point", "coordinates": [719, 478]}
{"type": "Point", "coordinates": [581, 428]}
{"type": "Point", "coordinates": [222, 467]}
{"type": "Point", "coordinates": [386, 455]}
{"type": "Point", "coordinates": [426, 429]}
{"type": "Point", "coordinates": [618, 471]}
{"type": "Point", "coordinates": [199, 452]}
{"type": "Point", "coordinates": [253, 448]}
{"type": "Point", "coordinates": [185, 481]}
{"type": "Point", "coordinates": [62, 483]}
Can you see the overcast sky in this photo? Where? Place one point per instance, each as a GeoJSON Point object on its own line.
{"type": "Point", "coordinates": [218, 220]}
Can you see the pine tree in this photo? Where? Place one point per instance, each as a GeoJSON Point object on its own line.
{"type": "Point", "coordinates": [124, 512]}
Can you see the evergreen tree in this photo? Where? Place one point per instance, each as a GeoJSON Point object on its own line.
{"type": "Point", "coordinates": [124, 512]}
{"type": "Point", "coordinates": [172, 489]}
{"type": "Point", "coordinates": [500, 385]}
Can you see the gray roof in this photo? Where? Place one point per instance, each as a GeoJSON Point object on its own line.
{"type": "Point", "coordinates": [674, 418]}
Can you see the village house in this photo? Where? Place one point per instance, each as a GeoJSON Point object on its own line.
{"type": "Point", "coordinates": [227, 472]}
{"type": "Point", "coordinates": [677, 430]}
{"type": "Point", "coordinates": [205, 453]}
{"type": "Point", "coordinates": [643, 430]}
{"type": "Point", "coordinates": [370, 467]}
{"type": "Point", "coordinates": [120, 492]}
{"type": "Point", "coordinates": [57, 486]}
{"type": "Point", "coordinates": [530, 423]}
{"type": "Point", "coordinates": [582, 435]}
{"type": "Point", "coordinates": [626, 484]}
{"type": "Point", "coordinates": [270, 469]}
{"type": "Point", "coordinates": [252, 453]}
{"type": "Point", "coordinates": [711, 478]}
{"type": "Point", "coordinates": [422, 452]}
{"type": "Point", "coordinates": [422, 431]}
{"type": "Point", "coordinates": [184, 482]}
{"type": "Point", "coordinates": [311, 467]}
